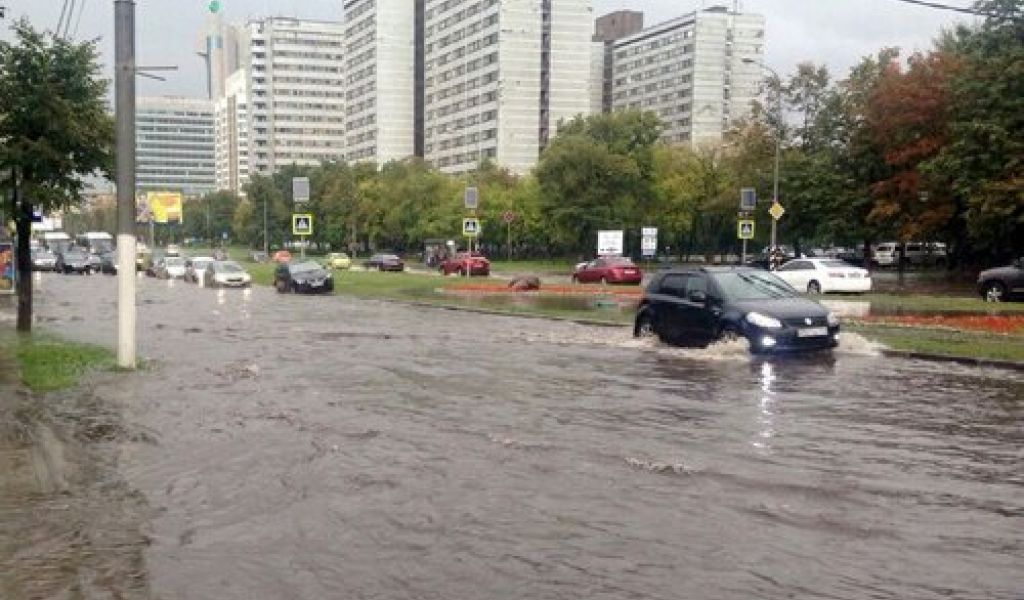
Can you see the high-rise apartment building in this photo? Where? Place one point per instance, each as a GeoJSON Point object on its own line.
{"type": "Point", "coordinates": [691, 72]}
{"type": "Point", "coordinates": [232, 134]}
{"type": "Point", "coordinates": [607, 29]}
{"type": "Point", "coordinates": [380, 79]}
{"type": "Point", "coordinates": [498, 77]}
{"type": "Point", "coordinates": [295, 88]}
{"type": "Point", "coordinates": [174, 145]}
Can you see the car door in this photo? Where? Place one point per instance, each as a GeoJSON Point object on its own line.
{"type": "Point", "coordinates": [797, 273]}
{"type": "Point", "coordinates": [1016, 279]}
{"type": "Point", "coordinates": [670, 312]}
{"type": "Point", "coordinates": [700, 319]}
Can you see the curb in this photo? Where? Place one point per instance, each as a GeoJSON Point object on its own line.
{"type": "Point", "coordinates": [500, 313]}
{"type": "Point", "coordinates": [963, 360]}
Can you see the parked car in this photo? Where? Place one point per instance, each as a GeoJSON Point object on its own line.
{"type": "Point", "coordinates": [608, 270]}
{"type": "Point", "coordinates": [173, 250]}
{"type": "Point", "coordinates": [466, 263]}
{"type": "Point", "coordinates": [169, 267]}
{"type": "Point", "coordinates": [282, 256]}
{"type": "Point", "coordinates": [384, 262]}
{"type": "Point", "coordinates": [305, 277]}
{"type": "Point", "coordinates": [916, 254]}
{"type": "Point", "coordinates": [225, 273]}
{"type": "Point", "coordinates": [108, 262]}
{"type": "Point", "coordinates": [338, 260]}
{"type": "Point", "coordinates": [43, 260]}
{"type": "Point", "coordinates": [1003, 283]}
{"type": "Point", "coordinates": [824, 275]}
{"type": "Point", "coordinates": [695, 307]}
{"type": "Point", "coordinates": [196, 267]}
{"type": "Point", "coordinates": [74, 261]}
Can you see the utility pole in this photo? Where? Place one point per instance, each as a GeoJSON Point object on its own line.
{"type": "Point", "coordinates": [124, 106]}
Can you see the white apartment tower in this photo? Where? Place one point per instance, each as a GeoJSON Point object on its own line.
{"type": "Point", "coordinates": [498, 77]}
{"type": "Point", "coordinates": [232, 129]}
{"type": "Point", "coordinates": [174, 145]}
{"type": "Point", "coordinates": [691, 72]}
{"type": "Point", "coordinates": [295, 93]}
{"type": "Point", "coordinates": [379, 79]}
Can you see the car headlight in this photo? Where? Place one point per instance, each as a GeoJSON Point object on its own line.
{"type": "Point", "coordinates": [833, 320]}
{"type": "Point", "coordinates": [763, 321]}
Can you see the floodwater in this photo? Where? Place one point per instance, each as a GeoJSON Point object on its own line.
{"type": "Point", "coordinates": [325, 447]}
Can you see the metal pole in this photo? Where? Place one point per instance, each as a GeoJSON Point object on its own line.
{"type": "Point", "coordinates": [266, 241]}
{"type": "Point", "coordinates": [743, 256]}
{"type": "Point", "coordinates": [778, 144]}
{"type": "Point", "coordinates": [124, 104]}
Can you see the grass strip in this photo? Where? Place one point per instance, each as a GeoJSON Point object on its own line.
{"type": "Point", "coordinates": [46, 364]}
{"type": "Point", "coordinates": [944, 342]}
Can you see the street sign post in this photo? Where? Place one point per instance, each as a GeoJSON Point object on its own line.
{"type": "Point", "coordinates": [302, 226]}
{"type": "Point", "coordinates": [649, 241]}
{"type": "Point", "coordinates": [471, 227]}
{"type": "Point", "coordinates": [508, 217]}
{"type": "Point", "coordinates": [300, 190]}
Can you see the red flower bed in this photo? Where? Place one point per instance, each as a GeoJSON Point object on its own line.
{"type": "Point", "coordinates": [986, 323]}
{"type": "Point", "coordinates": [546, 288]}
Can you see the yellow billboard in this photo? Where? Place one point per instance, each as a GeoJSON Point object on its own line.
{"type": "Point", "coordinates": [165, 207]}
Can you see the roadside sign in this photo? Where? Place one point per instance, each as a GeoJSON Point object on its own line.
{"type": "Point", "coordinates": [648, 241]}
{"type": "Point", "coordinates": [302, 224]}
{"type": "Point", "coordinates": [471, 198]}
{"type": "Point", "coordinates": [300, 189]}
{"type": "Point", "coordinates": [471, 227]}
{"type": "Point", "coordinates": [745, 229]}
{"type": "Point", "coordinates": [748, 199]}
{"type": "Point", "coordinates": [609, 243]}
{"type": "Point", "coordinates": [776, 211]}
{"type": "Point", "coordinates": [508, 216]}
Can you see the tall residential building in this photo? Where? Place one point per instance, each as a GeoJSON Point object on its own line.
{"type": "Point", "coordinates": [174, 145]}
{"type": "Point", "coordinates": [380, 84]}
{"type": "Point", "coordinates": [295, 93]}
{"type": "Point", "coordinates": [607, 29]}
{"type": "Point", "coordinates": [232, 129]}
{"type": "Point", "coordinates": [499, 76]}
{"type": "Point", "coordinates": [690, 71]}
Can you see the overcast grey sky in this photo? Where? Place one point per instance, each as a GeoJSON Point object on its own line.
{"type": "Point", "coordinates": [834, 32]}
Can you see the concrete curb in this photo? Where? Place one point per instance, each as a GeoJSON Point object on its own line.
{"type": "Point", "coordinates": [963, 360]}
{"type": "Point", "coordinates": [501, 313]}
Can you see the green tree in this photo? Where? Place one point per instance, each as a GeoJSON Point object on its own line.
{"type": "Point", "coordinates": [54, 130]}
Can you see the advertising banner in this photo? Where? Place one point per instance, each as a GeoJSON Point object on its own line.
{"type": "Point", "coordinates": [165, 207]}
{"type": "Point", "coordinates": [609, 243]}
{"type": "Point", "coordinates": [6, 268]}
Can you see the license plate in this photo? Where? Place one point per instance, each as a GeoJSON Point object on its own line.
{"type": "Point", "coordinates": [318, 283]}
{"type": "Point", "coordinates": [813, 332]}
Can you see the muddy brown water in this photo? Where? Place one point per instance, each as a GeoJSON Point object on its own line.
{"type": "Point", "coordinates": [312, 447]}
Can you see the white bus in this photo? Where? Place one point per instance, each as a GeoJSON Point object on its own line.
{"type": "Point", "coordinates": [96, 242]}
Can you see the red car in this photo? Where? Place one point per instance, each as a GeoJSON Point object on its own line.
{"type": "Point", "coordinates": [465, 263]}
{"type": "Point", "coordinates": [608, 270]}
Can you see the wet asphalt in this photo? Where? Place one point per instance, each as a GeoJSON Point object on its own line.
{"type": "Point", "coordinates": [328, 447]}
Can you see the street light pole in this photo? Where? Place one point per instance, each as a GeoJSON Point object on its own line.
{"type": "Point", "coordinates": [124, 106]}
{"type": "Point", "coordinates": [778, 138]}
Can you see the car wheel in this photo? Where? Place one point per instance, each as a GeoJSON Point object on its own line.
{"type": "Point", "coordinates": [463, 272]}
{"type": "Point", "coordinates": [380, 268]}
{"type": "Point", "coordinates": [729, 335]}
{"type": "Point", "coordinates": [575, 279]}
{"type": "Point", "coordinates": [644, 327]}
{"type": "Point", "coordinates": [280, 287]}
{"type": "Point", "coordinates": [994, 292]}
{"type": "Point", "coordinates": [814, 288]}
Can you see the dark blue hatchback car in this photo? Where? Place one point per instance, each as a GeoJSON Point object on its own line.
{"type": "Point", "coordinates": [695, 307]}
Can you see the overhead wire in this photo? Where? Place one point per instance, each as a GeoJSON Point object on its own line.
{"type": "Point", "coordinates": [60, 22]}
{"type": "Point", "coordinates": [960, 9]}
{"type": "Point", "coordinates": [67, 23]}
{"type": "Point", "coordinates": [78, 21]}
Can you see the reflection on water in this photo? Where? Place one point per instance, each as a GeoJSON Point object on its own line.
{"type": "Point", "coordinates": [765, 418]}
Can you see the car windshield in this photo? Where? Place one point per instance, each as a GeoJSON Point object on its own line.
{"type": "Point", "coordinates": [44, 254]}
{"type": "Point", "coordinates": [74, 256]}
{"type": "Point", "coordinates": [174, 261]}
{"type": "Point", "coordinates": [201, 263]}
{"type": "Point", "coordinates": [752, 285]}
{"type": "Point", "coordinates": [227, 267]}
{"type": "Point", "coordinates": [304, 267]}
{"type": "Point", "coordinates": [388, 257]}
{"type": "Point", "coordinates": [337, 255]}
{"type": "Point", "coordinates": [834, 264]}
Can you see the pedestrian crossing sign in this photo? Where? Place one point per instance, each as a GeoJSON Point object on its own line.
{"type": "Point", "coordinates": [745, 229]}
{"type": "Point", "coordinates": [302, 224]}
{"type": "Point", "coordinates": [471, 227]}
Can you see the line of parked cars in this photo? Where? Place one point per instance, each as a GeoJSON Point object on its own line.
{"type": "Point", "coordinates": [203, 270]}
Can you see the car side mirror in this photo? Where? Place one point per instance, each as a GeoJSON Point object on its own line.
{"type": "Point", "coordinates": [698, 297]}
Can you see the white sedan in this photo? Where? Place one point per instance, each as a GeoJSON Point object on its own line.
{"type": "Point", "coordinates": [823, 275]}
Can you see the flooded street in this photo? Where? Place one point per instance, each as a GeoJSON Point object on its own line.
{"type": "Point", "coordinates": [326, 447]}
